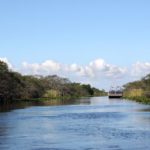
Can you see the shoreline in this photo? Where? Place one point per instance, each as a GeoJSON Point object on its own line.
{"type": "Point", "coordinates": [46, 99]}
{"type": "Point", "coordinates": [142, 100]}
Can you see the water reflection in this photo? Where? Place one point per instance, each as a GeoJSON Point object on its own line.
{"type": "Point", "coordinates": [24, 104]}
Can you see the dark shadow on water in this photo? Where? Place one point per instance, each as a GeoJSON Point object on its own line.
{"type": "Point", "coordinates": [27, 103]}
{"type": "Point", "coordinates": [143, 110]}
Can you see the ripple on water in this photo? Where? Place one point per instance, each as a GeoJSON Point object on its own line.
{"type": "Point", "coordinates": [90, 115]}
{"type": "Point", "coordinates": [106, 125]}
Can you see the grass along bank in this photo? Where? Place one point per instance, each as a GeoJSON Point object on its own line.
{"type": "Point", "coordinates": [138, 91]}
{"type": "Point", "coordinates": [139, 99]}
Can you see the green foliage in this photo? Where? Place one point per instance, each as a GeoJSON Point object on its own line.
{"type": "Point", "coordinates": [134, 92]}
{"type": "Point", "coordinates": [3, 67]}
{"type": "Point", "coordinates": [33, 87]}
{"type": "Point", "coordinates": [53, 94]}
{"type": "Point", "coordinates": [98, 92]}
{"type": "Point", "coordinates": [16, 86]}
{"type": "Point", "coordinates": [138, 90]}
{"type": "Point", "coordinates": [11, 84]}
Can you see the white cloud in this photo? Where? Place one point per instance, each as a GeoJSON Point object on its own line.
{"type": "Point", "coordinates": [140, 69]}
{"type": "Point", "coordinates": [95, 72]}
{"type": "Point", "coordinates": [101, 68]}
{"type": "Point", "coordinates": [98, 64]}
{"type": "Point", "coordinates": [45, 68]}
{"type": "Point", "coordinates": [74, 68]}
{"type": "Point", "coordinates": [50, 65]}
{"type": "Point", "coordinates": [95, 69]}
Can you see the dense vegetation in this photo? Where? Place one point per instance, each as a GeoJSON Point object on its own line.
{"type": "Point", "coordinates": [14, 86]}
{"type": "Point", "coordinates": [139, 90]}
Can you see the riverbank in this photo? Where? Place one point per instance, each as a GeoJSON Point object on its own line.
{"type": "Point", "coordinates": [14, 85]}
{"type": "Point", "coordinates": [139, 90]}
{"type": "Point", "coordinates": [140, 99]}
{"type": "Point", "coordinates": [47, 99]}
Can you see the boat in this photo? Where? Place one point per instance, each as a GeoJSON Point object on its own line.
{"type": "Point", "coordinates": [115, 92]}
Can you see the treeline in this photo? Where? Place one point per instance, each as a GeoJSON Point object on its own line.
{"type": "Point", "coordinates": [14, 86]}
{"type": "Point", "coordinates": [138, 90]}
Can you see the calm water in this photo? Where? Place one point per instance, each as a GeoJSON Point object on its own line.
{"type": "Point", "coordinates": [85, 124]}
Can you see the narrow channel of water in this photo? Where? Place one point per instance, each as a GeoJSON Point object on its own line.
{"type": "Point", "coordinates": [84, 124]}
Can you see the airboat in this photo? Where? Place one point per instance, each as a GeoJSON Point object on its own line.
{"type": "Point", "coordinates": [115, 92]}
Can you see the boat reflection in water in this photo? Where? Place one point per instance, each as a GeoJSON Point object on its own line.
{"type": "Point", "coordinates": [115, 92]}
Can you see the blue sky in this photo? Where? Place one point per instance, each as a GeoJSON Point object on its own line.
{"type": "Point", "coordinates": [75, 31]}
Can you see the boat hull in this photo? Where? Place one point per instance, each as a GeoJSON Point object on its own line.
{"type": "Point", "coordinates": [115, 96]}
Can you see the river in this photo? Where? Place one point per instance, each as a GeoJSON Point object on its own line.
{"type": "Point", "coordinates": [84, 124]}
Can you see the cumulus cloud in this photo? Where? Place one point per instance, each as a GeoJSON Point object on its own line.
{"type": "Point", "coordinates": [45, 68]}
{"type": "Point", "coordinates": [74, 68]}
{"type": "Point", "coordinates": [140, 69]}
{"type": "Point", "coordinates": [96, 68]}
{"type": "Point", "coordinates": [95, 72]}
{"type": "Point", "coordinates": [101, 68]}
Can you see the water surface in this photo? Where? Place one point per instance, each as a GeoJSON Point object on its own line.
{"type": "Point", "coordinates": [84, 124]}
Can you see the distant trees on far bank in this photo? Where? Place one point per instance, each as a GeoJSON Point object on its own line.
{"type": "Point", "coordinates": [14, 86]}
